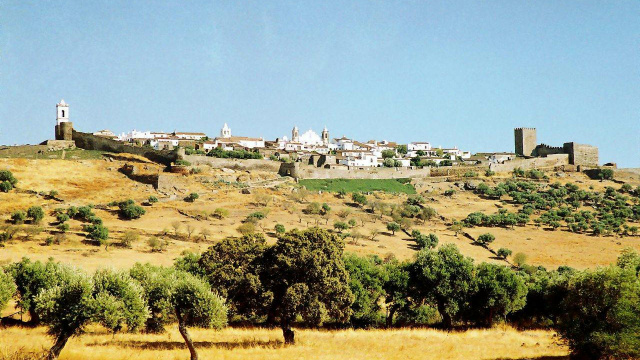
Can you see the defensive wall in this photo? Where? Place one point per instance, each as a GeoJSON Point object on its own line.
{"type": "Point", "coordinates": [235, 164]}
{"type": "Point", "coordinates": [542, 163]}
{"type": "Point", "coordinates": [91, 142]}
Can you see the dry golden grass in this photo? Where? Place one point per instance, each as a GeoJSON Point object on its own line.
{"type": "Point", "coordinates": [231, 343]}
{"type": "Point", "coordinates": [98, 182]}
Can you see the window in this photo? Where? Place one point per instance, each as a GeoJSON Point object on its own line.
{"type": "Point", "coordinates": [62, 113]}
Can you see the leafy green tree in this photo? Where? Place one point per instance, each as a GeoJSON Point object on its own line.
{"type": "Point", "coordinates": [31, 278]}
{"type": "Point", "coordinates": [359, 199]}
{"type": "Point", "coordinates": [393, 227]}
{"type": "Point", "coordinates": [66, 308]}
{"type": "Point", "coordinates": [486, 239]}
{"type": "Point", "coordinates": [600, 315]}
{"type": "Point", "coordinates": [366, 280]}
{"type": "Point", "coordinates": [499, 291]}
{"type": "Point", "coordinates": [504, 253]}
{"type": "Point", "coordinates": [6, 175]}
{"type": "Point", "coordinates": [129, 210]}
{"type": "Point", "coordinates": [388, 154]}
{"type": "Point", "coordinates": [307, 277]}
{"type": "Point", "coordinates": [36, 214]}
{"type": "Point", "coordinates": [396, 288]}
{"type": "Point", "coordinates": [18, 217]}
{"type": "Point", "coordinates": [280, 229]}
{"type": "Point", "coordinates": [179, 296]}
{"type": "Point", "coordinates": [119, 301]}
{"type": "Point", "coordinates": [5, 186]}
{"type": "Point", "coordinates": [232, 267]}
{"type": "Point", "coordinates": [340, 226]}
{"type": "Point", "coordinates": [192, 197]}
{"type": "Point", "coordinates": [402, 149]}
{"type": "Point", "coordinates": [443, 278]}
{"type": "Point", "coordinates": [7, 288]}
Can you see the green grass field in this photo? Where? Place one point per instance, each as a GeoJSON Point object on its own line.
{"type": "Point", "coordinates": [358, 185]}
{"type": "Point", "coordinates": [29, 153]}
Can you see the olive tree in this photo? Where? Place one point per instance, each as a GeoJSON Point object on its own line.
{"type": "Point", "coordinates": [31, 278]}
{"type": "Point", "coordinates": [305, 273]}
{"type": "Point", "coordinates": [119, 301]}
{"type": "Point", "coordinates": [7, 289]}
{"type": "Point", "coordinates": [66, 308]}
{"type": "Point", "coordinates": [366, 280]}
{"type": "Point", "coordinates": [179, 296]}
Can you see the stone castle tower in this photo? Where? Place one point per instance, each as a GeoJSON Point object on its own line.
{"type": "Point", "coordinates": [225, 132]}
{"type": "Point", "coordinates": [295, 134]}
{"type": "Point", "coordinates": [64, 127]}
{"type": "Point", "coordinates": [526, 141]}
{"type": "Point", "coordinates": [325, 136]}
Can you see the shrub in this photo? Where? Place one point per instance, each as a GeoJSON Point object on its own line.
{"type": "Point", "coordinates": [53, 193]}
{"type": "Point", "coordinates": [95, 220]}
{"type": "Point", "coordinates": [6, 175]}
{"type": "Point", "coordinates": [181, 162]}
{"type": "Point", "coordinates": [504, 253]}
{"type": "Point", "coordinates": [247, 228]}
{"type": "Point", "coordinates": [352, 222]}
{"type": "Point", "coordinates": [520, 259]}
{"type": "Point", "coordinates": [36, 214]}
{"type": "Point", "coordinates": [64, 227]}
{"type": "Point", "coordinates": [129, 210]}
{"type": "Point", "coordinates": [470, 174]}
{"type": "Point", "coordinates": [18, 217]}
{"type": "Point", "coordinates": [72, 211]}
{"type": "Point", "coordinates": [152, 199]}
{"type": "Point", "coordinates": [84, 212]}
{"type": "Point", "coordinates": [129, 237]}
{"type": "Point", "coordinates": [98, 233]}
{"type": "Point", "coordinates": [605, 174]}
{"type": "Point", "coordinates": [449, 192]}
{"type": "Point", "coordinates": [220, 213]}
{"type": "Point", "coordinates": [425, 241]}
{"type": "Point", "coordinates": [62, 217]}
{"type": "Point", "coordinates": [5, 186]}
{"type": "Point", "coordinates": [156, 244]}
{"type": "Point", "coordinates": [489, 173]}
{"type": "Point", "coordinates": [486, 239]}
{"type": "Point", "coordinates": [192, 197]}
{"type": "Point", "coordinates": [279, 228]}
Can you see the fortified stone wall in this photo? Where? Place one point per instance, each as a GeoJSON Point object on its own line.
{"type": "Point", "coordinates": [235, 164]}
{"type": "Point", "coordinates": [91, 142]}
{"type": "Point", "coordinates": [545, 150]}
{"type": "Point", "coordinates": [550, 162]}
{"type": "Point", "coordinates": [581, 154]}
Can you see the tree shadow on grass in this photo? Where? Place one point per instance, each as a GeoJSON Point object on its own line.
{"type": "Point", "coordinates": [171, 345]}
{"type": "Point", "coordinates": [538, 358]}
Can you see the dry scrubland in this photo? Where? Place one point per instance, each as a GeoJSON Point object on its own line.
{"type": "Point", "coordinates": [97, 182]}
{"type": "Point", "coordinates": [81, 182]}
{"type": "Point", "coordinates": [229, 344]}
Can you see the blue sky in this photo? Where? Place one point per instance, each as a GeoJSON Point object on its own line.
{"type": "Point", "coordinates": [455, 73]}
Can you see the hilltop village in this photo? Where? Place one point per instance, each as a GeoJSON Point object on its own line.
{"type": "Point", "coordinates": [312, 155]}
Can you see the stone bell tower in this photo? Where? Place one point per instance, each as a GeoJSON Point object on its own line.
{"type": "Point", "coordinates": [295, 134]}
{"type": "Point", "coordinates": [325, 136]}
{"type": "Point", "coordinates": [64, 127]}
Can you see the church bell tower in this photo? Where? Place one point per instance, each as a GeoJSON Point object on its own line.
{"type": "Point", "coordinates": [64, 127]}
